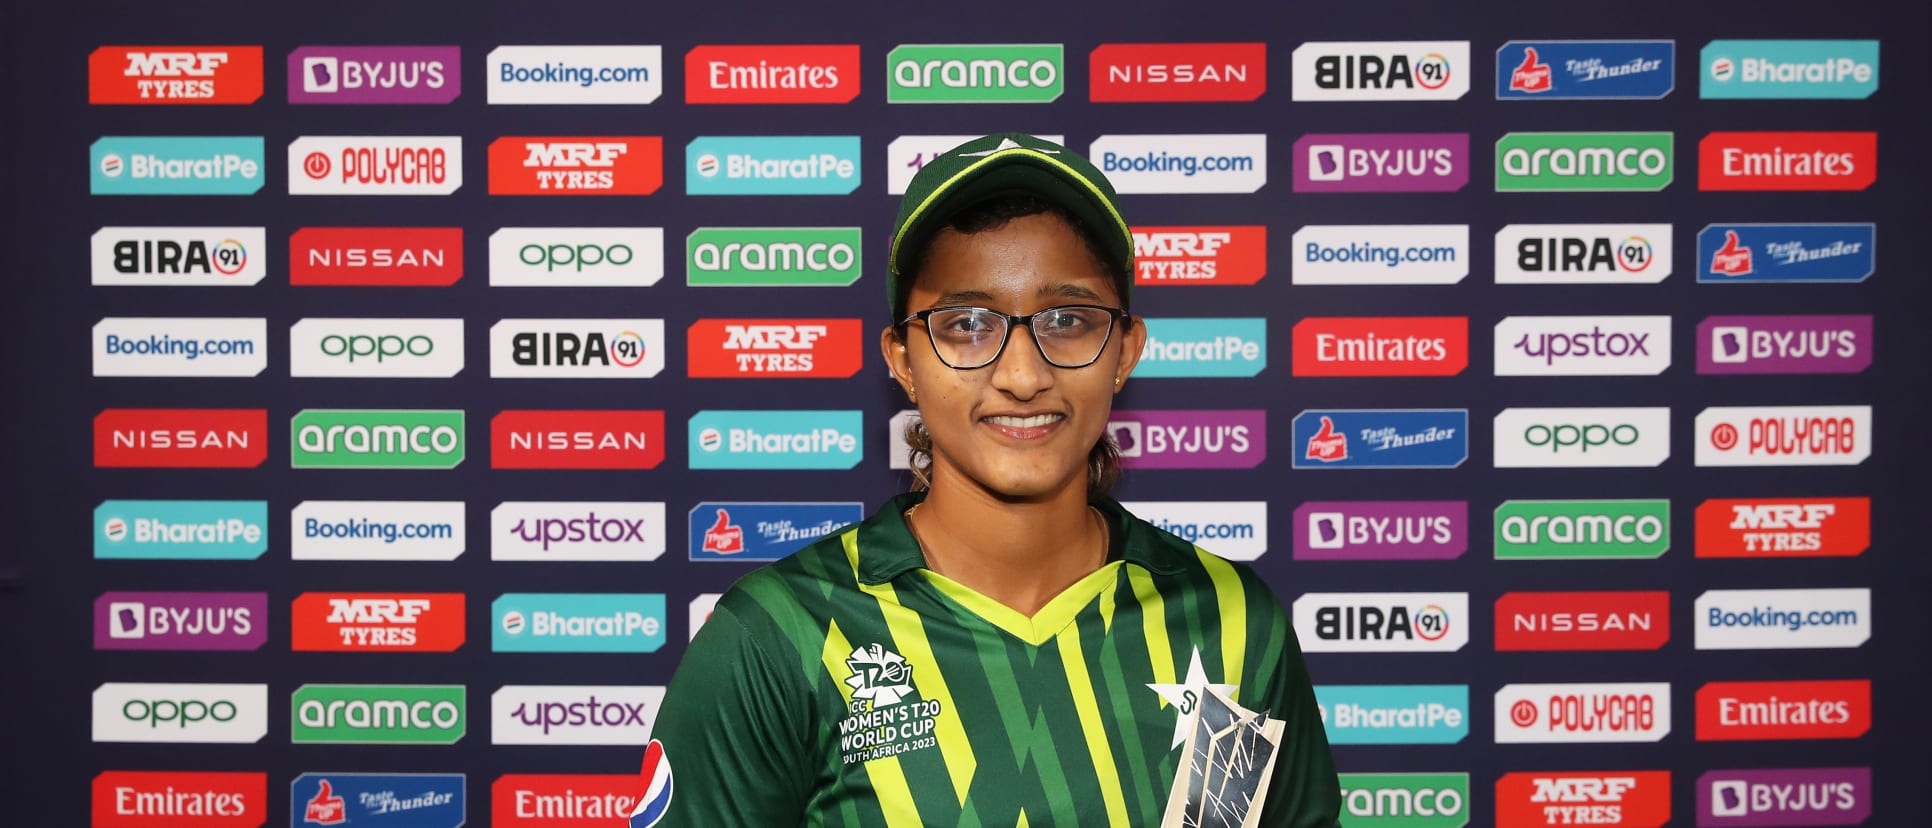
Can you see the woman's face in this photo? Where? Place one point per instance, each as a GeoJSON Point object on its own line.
{"type": "Point", "coordinates": [1020, 428]}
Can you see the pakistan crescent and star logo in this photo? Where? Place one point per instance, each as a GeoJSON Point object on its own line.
{"type": "Point", "coordinates": [1187, 694]}
{"type": "Point", "coordinates": [1007, 144]}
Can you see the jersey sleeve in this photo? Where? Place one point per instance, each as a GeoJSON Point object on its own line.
{"type": "Point", "coordinates": [1305, 792]}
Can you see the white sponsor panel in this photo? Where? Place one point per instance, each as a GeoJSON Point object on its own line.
{"type": "Point", "coordinates": [1796, 435]}
{"type": "Point", "coordinates": [701, 609]}
{"type": "Point", "coordinates": [1233, 529]}
{"type": "Point", "coordinates": [907, 154]}
{"type": "Point", "coordinates": [898, 454]}
{"type": "Point", "coordinates": [1382, 622]}
{"type": "Point", "coordinates": [1381, 254]}
{"type": "Point", "coordinates": [577, 348]}
{"type": "Point", "coordinates": [1783, 619]}
{"type": "Point", "coordinates": [1156, 164]}
{"type": "Point", "coordinates": [1414, 70]}
{"type": "Point", "coordinates": [377, 530]}
{"type": "Point", "coordinates": [137, 346]}
{"type": "Point", "coordinates": [375, 348]}
{"type": "Point", "coordinates": [180, 256]}
{"type": "Point", "coordinates": [180, 713]}
{"type": "Point", "coordinates": [1583, 254]}
{"type": "Point", "coordinates": [1582, 346]}
{"type": "Point", "coordinates": [534, 714]}
{"type": "Point", "coordinates": [1582, 713]}
{"type": "Point", "coordinates": [575, 74]}
{"type": "Point", "coordinates": [1582, 437]}
{"type": "Point", "coordinates": [576, 256]}
{"type": "Point", "coordinates": [375, 165]}
{"type": "Point", "coordinates": [577, 531]}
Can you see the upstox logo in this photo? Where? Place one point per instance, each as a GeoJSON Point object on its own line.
{"type": "Point", "coordinates": [1583, 162]}
{"type": "Point", "coordinates": [176, 165]}
{"type": "Point", "coordinates": [234, 530]}
{"type": "Point", "coordinates": [576, 623]}
{"type": "Point", "coordinates": [1227, 347]}
{"type": "Point", "coordinates": [773, 256]}
{"type": "Point", "coordinates": [1394, 714]}
{"type": "Point", "coordinates": [772, 165]}
{"type": "Point", "coordinates": [1789, 69]}
{"type": "Point", "coordinates": [386, 714]}
{"type": "Point", "coordinates": [1528, 530]}
{"type": "Point", "coordinates": [1004, 73]}
{"type": "Point", "coordinates": [776, 439]}
{"type": "Point", "coordinates": [1406, 800]}
{"type": "Point", "coordinates": [381, 439]}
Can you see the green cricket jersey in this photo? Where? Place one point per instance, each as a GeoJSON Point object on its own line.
{"type": "Point", "coordinates": [849, 685]}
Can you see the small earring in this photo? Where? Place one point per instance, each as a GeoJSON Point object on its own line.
{"type": "Point", "coordinates": [912, 393]}
{"type": "Point", "coordinates": [1116, 382]}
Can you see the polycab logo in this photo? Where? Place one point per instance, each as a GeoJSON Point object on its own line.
{"type": "Point", "coordinates": [774, 347]}
{"type": "Point", "coordinates": [557, 531]}
{"type": "Point", "coordinates": [1394, 714]}
{"type": "Point", "coordinates": [1226, 347]}
{"type": "Point", "coordinates": [226, 530]}
{"type": "Point", "coordinates": [773, 256]}
{"type": "Point", "coordinates": [908, 154]}
{"type": "Point", "coordinates": [826, 74]}
{"type": "Point", "coordinates": [554, 800]}
{"type": "Point", "coordinates": [429, 800]}
{"type": "Point", "coordinates": [1381, 254]}
{"type": "Point", "coordinates": [375, 165]}
{"type": "Point", "coordinates": [577, 348]}
{"type": "Point", "coordinates": [1381, 438]}
{"type": "Point", "coordinates": [575, 74]}
{"type": "Point", "coordinates": [1632, 799]}
{"type": "Point", "coordinates": [1381, 346]}
{"type": "Point", "coordinates": [375, 74]}
{"type": "Point", "coordinates": [1233, 529]}
{"type": "Point", "coordinates": [577, 440]}
{"type": "Point", "coordinates": [199, 799]}
{"type": "Point", "coordinates": [1528, 530]}
{"type": "Point", "coordinates": [1190, 439]}
{"type": "Point", "coordinates": [555, 715]}
{"type": "Point", "coordinates": [1784, 796]}
{"type": "Point", "coordinates": [1768, 710]}
{"type": "Point", "coordinates": [185, 256]}
{"type": "Point", "coordinates": [128, 346]}
{"type": "Point", "coordinates": [173, 165]}
{"type": "Point", "coordinates": [377, 622]}
{"type": "Point", "coordinates": [181, 713]}
{"type": "Point", "coordinates": [1582, 346]}
{"type": "Point", "coordinates": [1394, 162]}
{"type": "Point", "coordinates": [1157, 164]}
{"type": "Point", "coordinates": [1844, 69]}
{"type": "Point", "coordinates": [375, 348]}
{"type": "Point", "coordinates": [764, 531]}
{"type": "Point", "coordinates": [1583, 254]}
{"type": "Point", "coordinates": [1759, 161]}
{"type": "Point", "coordinates": [1582, 713]}
{"type": "Point", "coordinates": [1382, 622]}
{"type": "Point", "coordinates": [1582, 437]}
{"type": "Point", "coordinates": [1795, 527]}
{"type": "Point", "coordinates": [1177, 72]}
{"type": "Point", "coordinates": [1559, 70]}
{"type": "Point", "coordinates": [1228, 255]}
{"type": "Point", "coordinates": [174, 75]}
{"type": "Point", "coordinates": [555, 622]}
{"type": "Point", "coordinates": [1582, 621]}
{"type": "Point", "coordinates": [1786, 253]}
{"type": "Point", "coordinates": [1783, 619]}
{"type": "Point", "coordinates": [375, 256]}
{"type": "Point", "coordinates": [576, 256]}
{"type": "Point", "coordinates": [377, 530]}
{"type": "Point", "coordinates": [772, 165]}
{"type": "Point", "coordinates": [1382, 71]}
{"type": "Point", "coordinates": [386, 714]}
{"type": "Point", "coordinates": [1784, 344]}
{"type": "Point", "coordinates": [1804, 435]}
{"type": "Point", "coordinates": [181, 621]}
{"type": "Point", "coordinates": [1583, 162]}
{"type": "Point", "coordinates": [776, 439]}
{"type": "Point", "coordinates": [994, 73]}
{"type": "Point", "coordinates": [181, 438]}
{"type": "Point", "coordinates": [576, 165]}
{"type": "Point", "coordinates": [376, 439]}
{"type": "Point", "coordinates": [1382, 530]}
{"type": "Point", "coordinates": [1417, 800]}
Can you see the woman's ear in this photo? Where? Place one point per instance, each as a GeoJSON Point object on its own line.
{"type": "Point", "coordinates": [1133, 339]}
{"type": "Point", "coordinates": [893, 348]}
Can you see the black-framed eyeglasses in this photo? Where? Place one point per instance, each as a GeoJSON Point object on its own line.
{"type": "Point", "coordinates": [1069, 336]}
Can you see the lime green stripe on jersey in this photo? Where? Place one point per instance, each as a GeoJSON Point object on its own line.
{"type": "Point", "coordinates": [1081, 685]}
{"type": "Point", "coordinates": [1153, 619]}
{"type": "Point", "coordinates": [1234, 614]}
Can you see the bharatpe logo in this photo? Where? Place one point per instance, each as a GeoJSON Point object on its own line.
{"type": "Point", "coordinates": [1382, 622]}
{"type": "Point", "coordinates": [1582, 437]}
{"type": "Point", "coordinates": [1190, 439]}
{"type": "Point", "coordinates": [908, 154]}
{"type": "Point", "coordinates": [726, 348]}
{"type": "Point", "coordinates": [772, 165]}
{"type": "Point", "coordinates": [421, 800]}
{"type": "Point", "coordinates": [180, 438]}
{"type": "Point", "coordinates": [583, 715]}
{"type": "Point", "coordinates": [1228, 255]}
{"type": "Point", "coordinates": [1583, 254]}
{"type": "Point", "coordinates": [1381, 254]}
{"type": "Point", "coordinates": [375, 165]}
{"type": "Point", "coordinates": [1561, 70]}
{"type": "Point", "coordinates": [1801, 435]}
{"type": "Point", "coordinates": [577, 531]}
{"type": "Point", "coordinates": [180, 347]}
{"type": "Point", "coordinates": [1792, 527]}
{"type": "Point", "coordinates": [776, 439]}
{"type": "Point", "coordinates": [170, 165]}
{"type": "Point", "coordinates": [192, 799]}
{"type": "Point", "coordinates": [1236, 530]}
{"type": "Point", "coordinates": [1381, 71]}
{"type": "Point", "coordinates": [1786, 253]}
{"type": "Point", "coordinates": [1580, 162]}
{"type": "Point", "coordinates": [1382, 530]}
{"type": "Point", "coordinates": [1759, 69]}
{"type": "Point", "coordinates": [1392, 162]}
{"type": "Point", "coordinates": [1582, 346]}
{"type": "Point", "coordinates": [422, 348]}
{"type": "Point", "coordinates": [574, 74]}
{"type": "Point", "coordinates": [1405, 800]}
{"type": "Point", "coordinates": [1783, 619]}
{"type": "Point", "coordinates": [1549, 530]}
{"type": "Point", "coordinates": [424, 622]}
{"type": "Point", "coordinates": [213, 530]}
{"type": "Point", "coordinates": [1784, 344]}
{"type": "Point", "coordinates": [814, 74]}
{"type": "Point", "coordinates": [1787, 161]}
{"type": "Point", "coordinates": [773, 256]}
{"type": "Point", "coordinates": [181, 713]}
{"type": "Point", "coordinates": [181, 621]}
{"type": "Point", "coordinates": [1176, 72]}
{"type": "Point", "coordinates": [577, 348]}
{"type": "Point", "coordinates": [1381, 346]}
{"type": "Point", "coordinates": [556, 622]}
{"type": "Point", "coordinates": [1582, 713]}
{"type": "Point", "coordinates": [764, 531]}
{"type": "Point", "coordinates": [1561, 621]}
{"type": "Point", "coordinates": [1633, 799]}
{"type": "Point", "coordinates": [603, 165]}
{"type": "Point", "coordinates": [1394, 714]}
{"type": "Point", "coordinates": [1780, 710]}
{"type": "Point", "coordinates": [376, 256]}
{"type": "Point", "coordinates": [1004, 73]}
{"type": "Point", "coordinates": [1226, 347]}
{"type": "Point", "coordinates": [372, 439]}
{"type": "Point", "coordinates": [174, 75]}
{"type": "Point", "coordinates": [385, 714]}
{"type": "Point", "coordinates": [1784, 796]}
{"type": "Point", "coordinates": [180, 256]}
{"type": "Point", "coordinates": [377, 530]}
{"type": "Point", "coordinates": [375, 74]}
{"type": "Point", "coordinates": [576, 256]}
{"type": "Point", "coordinates": [1381, 438]}
{"type": "Point", "coordinates": [1157, 164]}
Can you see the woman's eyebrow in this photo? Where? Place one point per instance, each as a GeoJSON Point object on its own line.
{"type": "Point", "coordinates": [961, 296]}
{"type": "Point", "coordinates": [1069, 290]}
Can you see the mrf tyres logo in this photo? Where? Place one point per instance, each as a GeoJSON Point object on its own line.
{"type": "Point", "coordinates": [993, 73]}
{"type": "Point", "coordinates": [527, 714]}
{"type": "Point", "coordinates": [576, 165]}
{"type": "Point", "coordinates": [1561, 70]}
{"type": "Point", "coordinates": [1584, 162]}
{"type": "Point", "coordinates": [1408, 800]}
{"type": "Point", "coordinates": [1793, 527]}
{"type": "Point", "coordinates": [1190, 439]}
{"type": "Point", "coordinates": [1590, 346]}
{"type": "Point", "coordinates": [1582, 713]}
{"type": "Point", "coordinates": [1583, 254]}
{"type": "Point", "coordinates": [577, 623]}
{"type": "Point", "coordinates": [1381, 254]}
{"type": "Point", "coordinates": [1381, 530]}
{"type": "Point", "coordinates": [174, 75]}
{"type": "Point", "coordinates": [376, 439]}
{"type": "Point", "coordinates": [175, 165]}
{"type": "Point", "coordinates": [789, 74]}
{"type": "Point", "coordinates": [773, 256]}
{"type": "Point", "coordinates": [776, 439]}
{"type": "Point", "coordinates": [375, 74]}
{"type": "Point", "coordinates": [1774, 710]}
{"type": "Point", "coordinates": [577, 348]}
{"type": "Point", "coordinates": [1381, 71]}
{"type": "Point", "coordinates": [1417, 438]}
{"type": "Point", "coordinates": [1156, 164]}
{"type": "Point", "coordinates": [1632, 799]}
{"type": "Point", "coordinates": [1784, 796]}
{"type": "Point", "coordinates": [774, 347]}
{"type": "Point", "coordinates": [1392, 162]}
{"type": "Point", "coordinates": [1801, 435]}
{"type": "Point", "coordinates": [426, 622]}
{"type": "Point", "coordinates": [1200, 255]}
{"type": "Point", "coordinates": [375, 165]}
{"type": "Point", "coordinates": [1384, 622]}
{"type": "Point", "coordinates": [595, 439]}
{"type": "Point", "coordinates": [576, 256]}
{"type": "Point", "coordinates": [1784, 344]}
{"type": "Point", "coordinates": [1766, 161]}
{"type": "Point", "coordinates": [180, 256]}
{"type": "Point", "coordinates": [1582, 437]}
{"type": "Point", "coordinates": [1783, 619]}
{"type": "Point", "coordinates": [1786, 253]}
{"type": "Point", "coordinates": [1381, 346]}
{"type": "Point", "coordinates": [1177, 72]}
{"type": "Point", "coordinates": [325, 714]}
{"type": "Point", "coordinates": [1536, 530]}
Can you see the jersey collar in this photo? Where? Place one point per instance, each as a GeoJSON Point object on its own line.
{"type": "Point", "coordinates": [887, 548]}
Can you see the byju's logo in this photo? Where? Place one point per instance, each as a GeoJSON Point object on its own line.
{"type": "Point", "coordinates": [1391, 346]}
{"type": "Point", "coordinates": [1233, 529]}
{"type": "Point", "coordinates": [375, 74]}
{"type": "Point", "coordinates": [376, 256]}
{"type": "Point", "coordinates": [180, 347]}
{"type": "Point", "coordinates": [187, 256]}
{"type": "Point", "coordinates": [1784, 796]}
{"type": "Point", "coordinates": [174, 75]}
{"type": "Point", "coordinates": [1783, 619]}
{"type": "Point", "coordinates": [388, 714]}
{"type": "Point", "coordinates": [598, 439]}
{"type": "Point", "coordinates": [764, 531]}
{"type": "Point", "coordinates": [1758, 161]}
{"type": "Point", "coordinates": [576, 623]}
{"type": "Point", "coordinates": [179, 438]}
{"type": "Point", "coordinates": [1582, 346]}
{"type": "Point", "coordinates": [1382, 622]}
{"type": "Point", "coordinates": [377, 622]}
{"type": "Point", "coordinates": [1394, 714]}
{"type": "Point", "coordinates": [1793, 527]}
{"type": "Point", "coordinates": [192, 799]}
{"type": "Point", "coordinates": [172, 165]}
{"type": "Point", "coordinates": [1784, 344]}
{"type": "Point", "coordinates": [1803, 435]}
{"type": "Point", "coordinates": [1559, 70]}
{"type": "Point", "coordinates": [1228, 347]}
{"type": "Point", "coordinates": [1582, 713]}
{"type": "Point", "coordinates": [1190, 439]}
{"type": "Point", "coordinates": [773, 256]}
{"type": "Point", "coordinates": [1633, 799]}
{"type": "Point", "coordinates": [181, 621]}
{"type": "Point", "coordinates": [1583, 254]}
{"type": "Point", "coordinates": [1582, 437]}
{"type": "Point", "coordinates": [576, 256]}
{"type": "Point", "coordinates": [1002, 73]}
{"type": "Point", "coordinates": [1533, 530]}
{"type": "Point", "coordinates": [1175, 72]}
{"type": "Point", "coordinates": [576, 165]}
{"type": "Point", "coordinates": [559, 531]}
{"type": "Point", "coordinates": [1395, 530]}
{"type": "Point", "coordinates": [1381, 438]}
{"type": "Point", "coordinates": [1582, 620]}
{"type": "Point", "coordinates": [1415, 800]}
{"type": "Point", "coordinates": [397, 439]}
{"type": "Point", "coordinates": [772, 165]}
{"type": "Point", "coordinates": [234, 530]}
{"type": "Point", "coordinates": [375, 165]}
{"type": "Point", "coordinates": [815, 74]}
{"type": "Point", "coordinates": [1846, 69]}
{"type": "Point", "coordinates": [1786, 253]}
{"type": "Point", "coordinates": [377, 530]}
{"type": "Point", "coordinates": [376, 348]}
{"type": "Point", "coordinates": [577, 348]}
{"type": "Point", "coordinates": [1772, 710]}
{"type": "Point", "coordinates": [574, 74]}
{"type": "Point", "coordinates": [1381, 71]}
{"type": "Point", "coordinates": [426, 800]}
{"type": "Point", "coordinates": [1396, 162]}
{"type": "Point", "coordinates": [1155, 164]}
{"type": "Point", "coordinates": [525, 714]}
{"type": "Point", "coordinates": [1551, 162]}
{"type": "Point", "coordinates": [1381, 254]}
{"type": "Point", "coordinates": [181, 713]}
{"type": "Point", "coordinates": [1230, 255]}
{"type": "Point", "coordinates": [774, 348]}
{"type": "Point", "coordinates": [776, 439]}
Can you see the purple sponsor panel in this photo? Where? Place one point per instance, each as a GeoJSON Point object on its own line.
{"type": "Point", "coordinates": [375, 74]}
{"type": "Point", "coordinates": [1393, 162]}
{"type": "Point", "coordinates": [1385, 530]}
{"type": "Point", "coordinates": [181, 621]}
{"type": "Point", "coordinates": [1784, 797]}
{"type": "Point", "coordinates": [1190, 439]}
{"type": "Point", "coordinates": [1784, 344]}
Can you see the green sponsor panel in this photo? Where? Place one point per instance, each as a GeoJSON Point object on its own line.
{"type": "Point", "coordinates": [1551, 162]}
{"type": "Point", "coordinates": [1405, 800]}
{"type": "Point", "coordinates": [1005, 73]}
{"type": "Point", "coordinates": [773, 256]}
{"type": "Point", "coordinates": [1569, 529]}
{"type": "Point", "coordinates": [382, 439]}
{"type": "Point", "coordinates": [388, 714]}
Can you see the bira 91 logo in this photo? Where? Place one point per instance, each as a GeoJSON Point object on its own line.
{"type": "Point", "coordinates": [576, 256]}
{"type": "Point", "coordinates": [376, 439]}
{"type": "Point", "coordinates": [1200, 255]}
{"type": "Point", "coordinates": [764, 531]}
{"type": "Point", "coordinates": [1784, 344]}
{"type": "Point", "coordinates": [1582, 346]}
{"type": "Point", "coordinates": [375, 256]}
{"type": "Point", "coordinates": [422, 800]}
{"type": "Point", "coordinates": [181, 621]}
{"type": "Point", "coordinates": [1190, 439]}
{"type": "Point", "coordinates": [827, 74]}
{"type": "Point", "coordinates": [1406, 800]}
{"type": "Point", "coordinates": [377, 622]}
{"type": "Point", "coordinates": [1199, 347]}
{"type": "Point", "coordinates": [1177, 72]}
{"type": "Point", "coordinates": [1391, 346]}
{"type": "Point", "coordinates": [1418, 162]}
{"type": "Point", "coordinates": [1417, 438]}
{"type": "Point", "coordinates": [1382, 622]}
{"type": "Point", "coordinates": [577, 348]}
{"type": "Point", "coordinates": [1581, 162]}
{"type": "Point", "coordinates": [1771, 710]}
{"type": "Point", "coordinates": [1843, 69]}
{"type": "Point", "coordinates": [1381, 71]}
{"type": "Point", "coordinates": [1630, 799]}
{"type": "Point", "coordinates": [578, 715]}
{"type": "Point", "coordinates": [1583, 254]}
{"type": "Point", "coordinates": [382, 714]}
{"type": "Point", "coordinates": [174, 165]}
{"type": "Point", "coordinates": [1582, 713]}
{"type": "Point", "coordinates": [1784, 796]}
{"type": "Point", "coordinates": [375, 165]}
{"type": "Point", "coordinates": [577, 440]}
{"type": "Point", "coordinates": [181, 713]}
{"type": "Point", "coordinates": [576, 165]}
{"type": "Point", "coordinates": [375, 74]}
{"type": "Point", "coordinates": [1582, 437]}
{"type": "Point", "coordinates": [1529, 530]}
{"type": "Point", "coordinates": [774, 347]}
{"type": "Point", "coordinates": [184, 256]}
{"type": "Point", "coordinates": [773, 256]}
{"type": "Point", "coordinates": [1381, 254]}
{"type": "Point", "coordinates": [1382, 530]}
{"type": "Point", "coordinates": [179, 799]}
{"type": "Point", "coordinates": [1394, 714]}
{"type": "Point", "coordinates": [1561, 70]}
{"type": "Point", "coordinates": [556, 622]}
{"type": "Point", "coordinates": [772, 165]}
{"type": "Point", "coordinates": [181, 438]}
{"type": "Point", "coordinates": [1786, 253]}
{"type": "Point", "coordinates": [575, 74]}
{"type": "Point", "coordinates": [1801, 435]}
{"type": "Point", "coordinates": [776, 439]}
{"type": "Point", "coordinates": [377, 530]}
{"type": "Point", "coordinates": [174, 75]}
{"type": "Point", "coordinates": [1792, 527]}
{"type": "Point", "coordinates": [579, 531]}
{"type": "Point", "coordinates": [995, 73]}
{"type": "Point", "coordinates": [1759, 161]}
{"type": "Point", "coordinates": [1582, 621]}
{"type": "Point", "coordinates": [554, 800]}
{"type": "Point", "coordinates": [225, 530]}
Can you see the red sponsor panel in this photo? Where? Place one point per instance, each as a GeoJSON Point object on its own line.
{"type": "Point", "coordinates": [1381, 346]}
{"type": "Point", "coordinates": [577, 440]}
{"type": "Point", "coordinates": [174, 75]}
{"type": "Point", "coordinates": [1582, 620]}
{"type": "Point", "coordinates": [376, 256]}
{"type": "Point", "coordinates": [181, 438]}
{"type": "Point", "coordinates": [421, 622]}
{"type": "Point", "coordinates": [1628, 799]}
{"type": "Point", "coordinates": [1177, 72]}
{"type": "Point", "coordinates": [576, 165]}
{"type": "Point", "coordinates": [558, 800]}
{"type": "Point", "coordinates": [1787, 161]}
{"type": "Point", "coordinates": [771, 74]}
{"type": "Point", "coordinates": [1734, 710]}
{"type": "Point", "coordinates": [1784, 527]}
{"type": "Point", "coordinates": [1200, 255]}
{"type": "Point", "coordinates": [180, 799]}
{"type": "Point", "coordinates": [774, 347]}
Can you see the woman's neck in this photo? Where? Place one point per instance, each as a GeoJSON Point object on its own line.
{"type": "Point", "coordinates": [1020, 554]}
